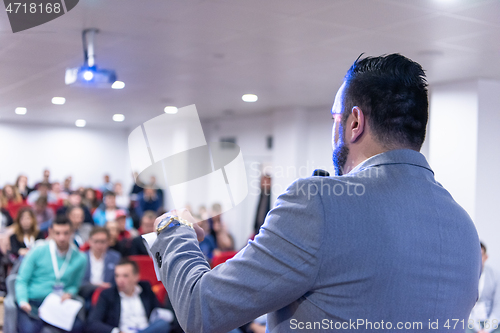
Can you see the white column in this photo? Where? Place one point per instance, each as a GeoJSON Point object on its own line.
{"type": "Point", "coordinates": [464, 151]}
{"type": "Point", "coordinates": [289, 149]}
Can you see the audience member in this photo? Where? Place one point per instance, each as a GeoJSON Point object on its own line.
{"type": "Point", "coordinates": [81, 230]}
{"type": "Point", "coordinates": [126, 307]}
{"type": "Point", "coordinates": [75, 200]}
{"type": "Point", "coordinates": [11, 195]}
{"type": "Point", "coordinates": [108, 211]}
{"type": "Point", "coordinates": [135, 246]}
{"type": "Point", "coordinates": [125, 232]}
{"type": "Point", "coordinates": [148, 199]}
{"type": "Point", "coordinates": [67, 184]}
{"type": "Point", "coordinates": [25, 234]}
{"type": "Point", "coordinates": [42, 191]}
{"type": "Point", "coordinates": [45, 180]}
{"type": "Point", "coordinates": [107, 186]}
{"type": "Point", "coordinates": [223, 240]}
{"type": "Point", "coordinates": [114, 243]}
{"type": "Point", "coordinates": [58, 192]}
{"type": "Point", "coordinates": [57, 267]}
{"type": "Point", "coordinates": [137, 187]}
{"type": "Point", "coordinates": [122, 200]}
{"type": "Point", "coordinates": [44, 214]}
{"type": "Point", "coordinates": [101, 262]}
{"type": "Point", "coordinates": [22, 186]}
{"type": "Point", "coordinates": [90, 199]}
{"type": "Point", "coordinates": [486, 312]}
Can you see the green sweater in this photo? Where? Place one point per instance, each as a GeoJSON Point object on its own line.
{"type": "Point", "coordinates": [36, 275]}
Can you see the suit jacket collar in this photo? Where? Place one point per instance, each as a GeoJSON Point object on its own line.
{"type": "Point", "coordinates": [397, 156]}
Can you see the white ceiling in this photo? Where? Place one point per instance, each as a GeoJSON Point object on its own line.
{"type": "Point", "coordinates": [291, 53]}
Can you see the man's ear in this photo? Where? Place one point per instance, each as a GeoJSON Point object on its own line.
{"type": "Point", "coordinates": [357, 125]}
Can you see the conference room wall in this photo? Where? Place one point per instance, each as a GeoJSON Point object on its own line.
{"type": "Point", "coordinates": [86, 154]}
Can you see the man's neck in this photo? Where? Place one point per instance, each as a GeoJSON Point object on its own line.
{"type": "Point", "coordinates": [62, 251]}
{"type": "Point", "coordinates": [130, 292]}
{"type": "Point", "coordinates": [97, 255]}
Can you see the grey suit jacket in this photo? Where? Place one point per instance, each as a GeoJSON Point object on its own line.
{"type": "Point", "coordinates": [385, 242]}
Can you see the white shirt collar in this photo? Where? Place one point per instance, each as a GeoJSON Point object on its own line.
{"type": "Point", "coordinates": [137, 292]}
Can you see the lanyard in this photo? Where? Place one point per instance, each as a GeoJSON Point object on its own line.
{"type": "Point", "coordinates": [59, 273]}
{"type": "Point", "coordinates": [29, 241]}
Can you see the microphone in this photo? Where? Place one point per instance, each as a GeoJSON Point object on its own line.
{"type": "Point", "coordinates": [321, 173]}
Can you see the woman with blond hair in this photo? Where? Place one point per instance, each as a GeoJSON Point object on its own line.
{"type": "Point", "coordinates": [11, 195]}
{"type": "Point", "coordinates": [25, 234]}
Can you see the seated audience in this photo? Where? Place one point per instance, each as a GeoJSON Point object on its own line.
{"type": "Point", "coordinates": [101, 262]}
{"type": "Point", "coordinates": [122, 200]}
{"type": "Point", "coordinates": [135, 246]}
{"type": "Point", "coordinates": [42, 191]}
{"type": "Point", "coordinates": [126, 307]}
{"type": "Point", "coordinates": [114, 243]}
{"type": "Point", "coordinates": [22, 186]}
{"type": "Point", "coordinates": [107, 186]}
{"type": "Point", "coordinates": [45, 180]}
{"type": "Point", "coordinates": [124, 232]}
{"type": "Point", "coordinates": [44, 214]}
{"type": "Point", "coordinates": [56, 266]}
{"type": "Point", "coordinates": [75, 199]}
{"type": "Point", "coordinates": [58, 192]}
{"type": "Point", "coordinates": [67, 185]}
{"type": "Point", "coordinates": [148, 199]}
{"type": "Point", "coordinates": [222, 237]}
{"type": "Point", "coordinates": [486, 312]}
{"type": "Point", "coordinates": [89, 199]}
{"type": "Point", "coordinates": [25, 234]}
{"type": "Point", "coordinates": [11, 195]}
{"type": "Point", "coordinates": [108, 211]}
{"type": "Point", "coordinates": [81, 230]}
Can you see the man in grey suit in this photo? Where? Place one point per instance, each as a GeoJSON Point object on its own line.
{"type": "Point", "coordinates": [485, 316]}
{"type": "Point", "coordinates": [382, 246]}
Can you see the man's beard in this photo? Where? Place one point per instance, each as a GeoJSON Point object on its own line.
{"type": "Point", "coordinates": [339, 158]}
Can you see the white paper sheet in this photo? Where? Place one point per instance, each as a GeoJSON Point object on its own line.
{"type": "Point", "coordinates": [58, 314]}
{"type": "Point", "coordinates": [148, 240]}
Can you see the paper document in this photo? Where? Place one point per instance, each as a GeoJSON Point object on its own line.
{"type": "Point", "coordinates": [61, 315]}
{"type": "Point", "coordinates": [148, 240]}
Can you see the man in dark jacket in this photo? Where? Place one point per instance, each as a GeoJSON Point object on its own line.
{"type": "Point", "coordinates": [128, 306]}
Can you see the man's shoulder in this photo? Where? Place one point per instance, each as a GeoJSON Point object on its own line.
{"type": "Point", "coordinates": [113, 254]}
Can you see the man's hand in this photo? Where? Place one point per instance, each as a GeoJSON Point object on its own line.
{"type": "Point", "coordinates": [186, 215]}
{"type": "Point", "coordinates": [65, 296]}
{"type": "Point", "coordinates": [105, 285]}
{"type": "Point", "coordinates": [26, 307]}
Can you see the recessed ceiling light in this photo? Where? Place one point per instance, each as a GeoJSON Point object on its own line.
{"type": "Point", "coordinates": [118, 117]}
{"type": "Point", "coordinates": [88, 75]}
{"type": "Point", "coordinates": [58, 100]}
{"type": "Point", "coordinates": [170, 109]}
{"type": "Point", "coordinates": [118, 85]}
{"type": "Point", "coordinates": [80, 123]}
{"type": "Point", "coordinates": [249, 98]}
{"type": "Point", "coordinates": [21, 111]}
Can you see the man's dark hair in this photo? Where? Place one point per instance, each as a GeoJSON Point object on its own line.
{"type": "Point", "coordinates": [61, 220]}
{"type": "Point", "coordinates": [72, 208]}
{"type": "Point", "coordinates": [97, 230]}
{"type": "Point", "coordinates": [483, 246]}
{"type": "Point", "coordinates": [109, 193]}
{"type": "Point", "coordinates": [127, 261]}
{"type": "Point", "coordinates": [391, 91]}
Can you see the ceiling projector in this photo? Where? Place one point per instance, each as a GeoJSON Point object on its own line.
{"type": "Point", "coordinates": [89, 75]}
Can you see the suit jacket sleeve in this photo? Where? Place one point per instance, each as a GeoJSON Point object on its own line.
{"type": "Point", "coordinates": [96, 322]}
{"type": "Point", "coordinates": [272, 271]}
